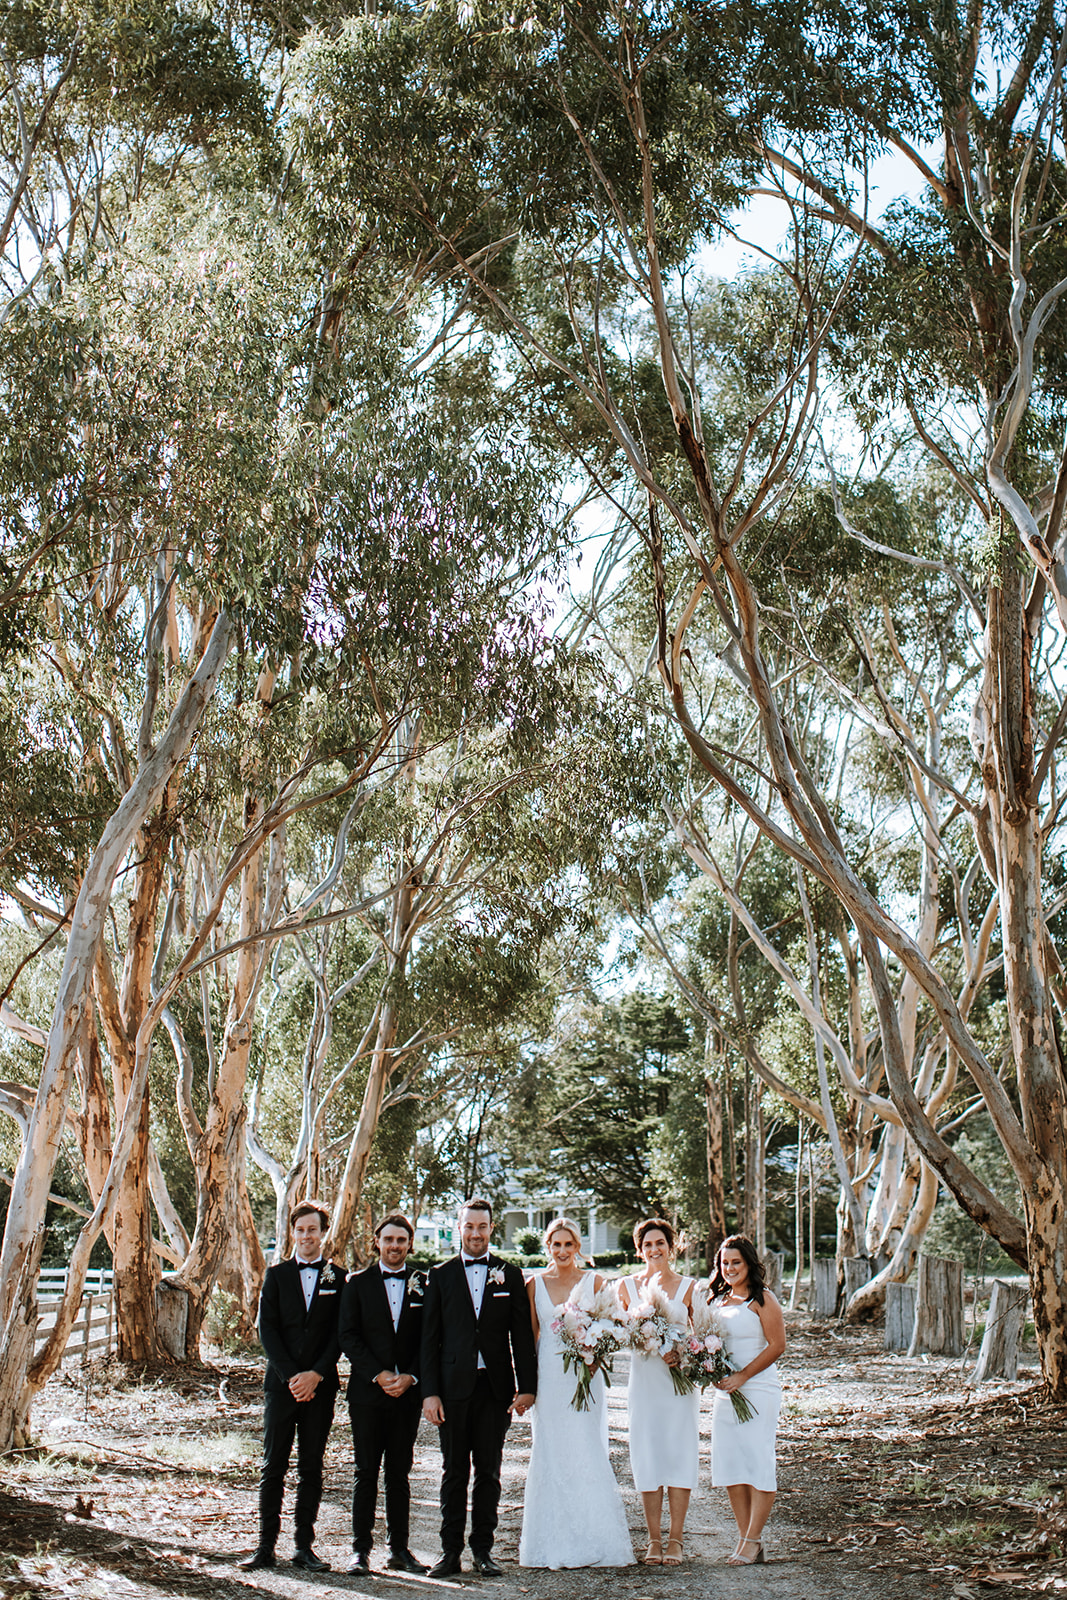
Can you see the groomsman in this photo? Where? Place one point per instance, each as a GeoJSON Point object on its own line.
{"type": "Point", "coordinates": [479, 1367]}
{"type": "Point", "coordinates": [298, 1311]}
{"type": "Point", "coordinates": [380, 1331]}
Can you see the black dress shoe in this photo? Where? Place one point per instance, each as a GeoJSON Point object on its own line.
{"type": "Point", "coordinates": [447, 1567]}
{"type": "Point", "coordinates": [404, 1561]}
{"type": "Point", "coordinates": [258, 1558]}
{"type": "Point", "coordinates": [309, 1561]}
{"type": "Point", "coordinates": [486, 1566]}
{"type": "Point", "coordinates": [360, 1562]}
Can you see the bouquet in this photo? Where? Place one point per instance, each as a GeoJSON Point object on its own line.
{"type": "Point", "coordinates": [591, 1337]}
{"type": "Point", "coordinates": [704, 1359]}
{"type": "Point", "coordinates": [656, 1330]}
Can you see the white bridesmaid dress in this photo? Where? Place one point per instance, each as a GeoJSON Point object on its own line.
{"type": "Point", "coordinates": [664, 1426]}
{"type": "Point", "coordinates": [743, 1452]}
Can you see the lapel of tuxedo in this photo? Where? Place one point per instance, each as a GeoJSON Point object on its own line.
{"type": "Point", "coordinates": [385, 1309]}
{"type": "Point", "coordinates": [491, 1263]}
{"type": "Point", "coordinates": [295, 1285]}
{"type": "Point", "coordinates": [405, 1303]}
{"type": "Point", "coordinates": [463, 1288]}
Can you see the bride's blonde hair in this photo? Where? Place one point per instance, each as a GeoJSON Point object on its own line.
{"type": "Point", "coordinates": [564, 1225]}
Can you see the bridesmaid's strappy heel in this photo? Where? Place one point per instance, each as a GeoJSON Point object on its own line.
{"type": "Point", "coordinates": [738, 1560]}
{"type": "Point", "coordinates": [674, 1554]}
{"type": "Point", "coordinates": [653, 1556]}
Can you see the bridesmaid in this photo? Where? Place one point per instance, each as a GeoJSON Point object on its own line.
{"type": "Point", "coordinates": [664, 1426]}
{"type": "Point", "coordinates": [742, 1453]}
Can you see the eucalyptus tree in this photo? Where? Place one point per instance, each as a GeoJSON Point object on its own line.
{"type": "Point", "coordinates": [556, 168]}
{"type": "Point", "coordinates": [451, 915]}
{"type": "Point", "coordinates": [251, 557]}
{"type": "Point", "coordinates": [112, 551]}
{"type": "Point", "coordinates": [903, 817]}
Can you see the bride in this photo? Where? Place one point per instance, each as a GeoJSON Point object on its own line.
{"type": "Point", "coordinates": [572, 1511]}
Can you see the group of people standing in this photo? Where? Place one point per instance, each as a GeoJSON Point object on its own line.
{"type": "Point", "coordinates": [471, 1344]}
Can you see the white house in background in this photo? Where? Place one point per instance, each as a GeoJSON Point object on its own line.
{"type": "Point", "coordinates": [525, 1210]}
{"type": "Point", "coordinates": [438, 1233]}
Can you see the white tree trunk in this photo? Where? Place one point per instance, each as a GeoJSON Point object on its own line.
{"type": "Point", "coordinates": [23, 1236]}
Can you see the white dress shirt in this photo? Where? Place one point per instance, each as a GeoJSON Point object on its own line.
{"type": "Point", "coordinates": [309, 1278]}
{"type": "Point", "coordinates": [394, 1289]}
{"type": "Point", "coordinates": [476, 1277]}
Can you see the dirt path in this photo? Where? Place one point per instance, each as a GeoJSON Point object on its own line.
{"type": "Point", "coordinates": [897, 1482]}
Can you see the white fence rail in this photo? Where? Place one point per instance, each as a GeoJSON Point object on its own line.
{"type": "Point", "coordinates": [91, 1335]}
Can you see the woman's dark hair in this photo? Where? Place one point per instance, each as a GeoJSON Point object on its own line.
{"type": "Point", "coordinates": [756, 1279]}
{"type": "Point", "coordinates": [648, 1224]}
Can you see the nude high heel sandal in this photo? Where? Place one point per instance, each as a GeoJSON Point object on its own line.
{"type": "Point", "coordinates": [739, 1560]}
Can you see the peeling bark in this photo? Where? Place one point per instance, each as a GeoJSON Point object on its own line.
{"type": "Point", "coordinates": [22, 1375]}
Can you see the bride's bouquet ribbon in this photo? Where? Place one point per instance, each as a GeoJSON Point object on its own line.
{"type": "Point", "coordinates": [591, 1337]}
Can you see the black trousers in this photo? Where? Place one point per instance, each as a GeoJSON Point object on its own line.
{"type": "Point", "coordinates": [308, 1422]}
{"type": "Point", "coordinates": [383, 1434]}
{"type": "Point", "coordinates": [473, 1432]}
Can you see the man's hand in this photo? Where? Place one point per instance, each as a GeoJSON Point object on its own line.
{"type": "Point", "coordinates": [433, 1410]}
{"type": "Point", "coordinates": [394, 1383]}
{"type": "Point", "coordinates": [521, 1404]}
{"type": "Point", "coordinates": [303, 1386]}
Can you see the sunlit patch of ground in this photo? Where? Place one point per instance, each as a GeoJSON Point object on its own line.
{"type": "Point", "coordinates": [898, 1481]}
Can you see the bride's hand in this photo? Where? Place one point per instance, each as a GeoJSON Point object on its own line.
{"type": "Point", "coordinates": [672, 1358]}
{"type": "Point", "coordinates": [731, 1382]}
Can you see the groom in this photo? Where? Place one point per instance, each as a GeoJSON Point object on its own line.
{"type": "Point", "coordinates": [479, 1365]}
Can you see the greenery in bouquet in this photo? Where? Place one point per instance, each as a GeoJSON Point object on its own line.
{"type": "Point", "coordinates": [591, 1337]}
{"type": "Point", "coordinates": [704, 1359]}
{"type": "Point", "coordinates": [657, 1330]}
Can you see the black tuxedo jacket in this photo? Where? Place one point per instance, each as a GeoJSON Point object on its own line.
{"type": "Point", "coordinates": [295, 1339]}
{"type": "Point", "coordinates": [452, 1336]}
{"type": "Point", "coordinates": [370, 1341]}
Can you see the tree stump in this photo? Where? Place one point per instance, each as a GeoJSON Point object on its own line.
{"type": "Point", "coordinates": [999, 1355]}
{"type": "Point", "coordinates": [172, 1317]}
{"type": "Point", "coordinates": [857, 1273]}
{"type": "Point", "coordinates": [938, 1308]}
{"type": "Point", "coordinates": [899, 1316]}
{"type": "Point", "coordinates": [773, 1269]}
{"type": "Point", "coordinates": [822, 1301]}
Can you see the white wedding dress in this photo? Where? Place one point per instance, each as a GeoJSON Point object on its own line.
{"type": "Point", "coordinates": [572, 1513]}
{"type": "Point", "coordinates": [743, 1452]}
{"type": "Point", "coordinates": [664, 1425]}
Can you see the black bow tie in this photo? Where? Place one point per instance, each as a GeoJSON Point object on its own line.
{"type": "Point", "coordinates": [311, 1266]}
{"type": "Point", "coordinates": [476, 1261]}
{"type": "Point", "coordinates": [400, 1275]}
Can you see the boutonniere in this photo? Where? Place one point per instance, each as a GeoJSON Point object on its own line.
{"type": "Point", "coordinates": [416, 1286]}
{"type": "Point", "coordinates": [328, 1275]}
{"type": "Point", "coordinates": [496, 1275]}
